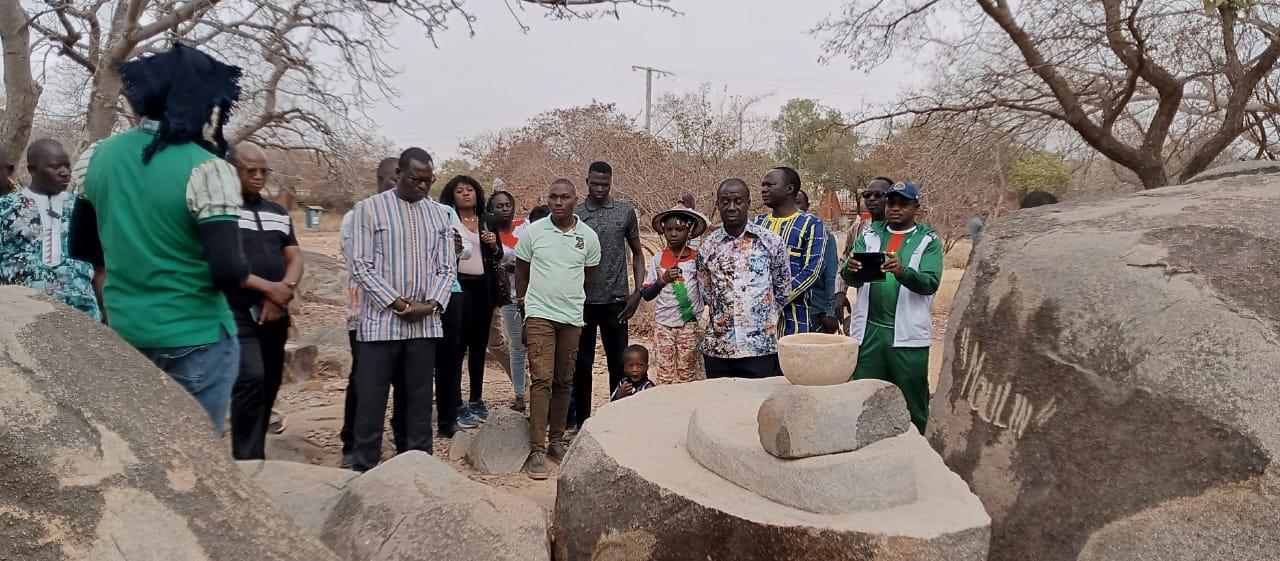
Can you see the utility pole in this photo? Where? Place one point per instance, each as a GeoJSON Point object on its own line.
{"type": "Point", "coordinates": [648, 93]}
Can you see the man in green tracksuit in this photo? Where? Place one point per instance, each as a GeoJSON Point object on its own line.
{"type": "Point", "coordinates": [892, 318]}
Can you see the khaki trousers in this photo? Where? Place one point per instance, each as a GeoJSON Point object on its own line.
{"type": "Point", "coordinates": [553, 350]}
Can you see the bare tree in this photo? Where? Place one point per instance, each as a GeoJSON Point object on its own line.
{"type": "Point", "coordinates": [313, 67]}
{"type": "Point", "coordinates": [1161, 88]}
{"type": "Point", "coordinates": [696, 149]}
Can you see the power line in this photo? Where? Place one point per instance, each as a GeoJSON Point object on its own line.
{"type": "Point", "coordinates": [648, 93]}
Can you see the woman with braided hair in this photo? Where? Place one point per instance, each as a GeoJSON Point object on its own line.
{"type": "Point", "coordinates": [673, 281]}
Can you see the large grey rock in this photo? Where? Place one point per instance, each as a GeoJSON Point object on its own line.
{"type": "Point", "coordinates": [299, 362]}
{"type": "Point", "coordinates": [1109, 381]}
{"type": "Point", "coordinates": [333, 348]}
{"type": "Point", "coordinates": [723, 438]}
{"type": "Point", "coordinates": [104, 458]}
{"type": "Point", "coordinates": [460, 444]}
{"type": "Point", "coordinates": [502, 443]}
{"type": "Point", "coordinates": [805, 421]}
{"type": "Point", "coordinates": [417, 508]}
{"type": "Point", "coordinates": [325, 281]}
{"type": "Point", "coordinates": [630, 490]}
{"type": "Point", "coordinates": [305, 492]}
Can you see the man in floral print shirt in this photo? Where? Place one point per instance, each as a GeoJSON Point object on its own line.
{"type": "Point", "coordinates": [34, 222]}
{"type": "Point", "coordinates": [746, 280]}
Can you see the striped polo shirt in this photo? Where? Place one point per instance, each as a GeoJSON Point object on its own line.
{"type": "Point", "coordinates": [400, 249]}
{"type": "Point", "coordinates": [265, 231]}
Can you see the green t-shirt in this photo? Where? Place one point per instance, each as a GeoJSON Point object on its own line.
{"type": "Point", "coordinates": [557, 269]}
{"type": "Point", "coordinates": [883, 300]}
{"type": "Point", "coordinates": [159, 292]}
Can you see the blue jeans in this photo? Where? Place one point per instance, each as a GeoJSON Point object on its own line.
{"type": "Point", "coordinates": [514, 324]}
{"type": "Point", "coordinates": [207, 372]}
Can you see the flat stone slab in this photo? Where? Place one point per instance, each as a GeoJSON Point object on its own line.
{"type": "Point", "coordinates": [502, 443]}
{"type": "Point", "coordinates": [722, 437]}
{"type": "Point", "coordinates": [806, 421]}
{"type": "Point", "coordinates": [630, 490]}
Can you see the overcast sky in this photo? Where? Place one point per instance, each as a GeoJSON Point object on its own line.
{"type": "Point", "coordinates": [503, 76]}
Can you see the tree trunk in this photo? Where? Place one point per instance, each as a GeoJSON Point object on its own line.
{"type": "Point", "coordinates": [1152, 177]}
{"type": "Point", "coordinates": [21, 91]}
{"type": "Point", "coordinates": [101, 119]}
{"type": "Point", "coordinates": [107, 84]}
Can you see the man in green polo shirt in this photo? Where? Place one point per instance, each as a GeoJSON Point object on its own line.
{"type": "Point", "coordinates": [556, 258]}
{"type": "Point", "coordinates": [892, 318]}
{"type": "Point", "coordinates": [157, 214]}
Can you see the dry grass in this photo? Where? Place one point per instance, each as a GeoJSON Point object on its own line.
{"type": "Point", "coordinates": [958, 257]}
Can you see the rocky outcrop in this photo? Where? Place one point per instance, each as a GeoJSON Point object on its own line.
{"type": "Point", "coordinates": [305, 492]}
{"type": "Point", "coordinates": [104, 458]}
{"type": "Point", "coordinates": [629, 489]}
{"type": "Point", "coordinates": [417, 508]}
{"type": "Point", "coordinates": [1109, 381]}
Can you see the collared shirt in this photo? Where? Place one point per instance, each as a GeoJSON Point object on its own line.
{"type": "Point", "coordinates": [33, 249]}
{"type": "Point", "coordinates": [745, 281]}
{"type": "Point", "coordinates": [265, 231]}
{"type": "Point", "coordinates": [557, 269]}
{"type": "Point", "coordinates": [353, 290]}
{"type": "Point", "coordinates": [806, 239]}
{"type": "Point", "coordinates": [405, 250]}
{"type": "Point", "coordinates": [614, 223]}
{"type": "Point", "coordinates": [158, 291]}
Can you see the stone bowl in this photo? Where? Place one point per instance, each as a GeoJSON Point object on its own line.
{"type": "Point", "coordinates": [817, 359]}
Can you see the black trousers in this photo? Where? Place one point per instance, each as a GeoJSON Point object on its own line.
{"type": "Point", "coordinates": [349, 408]}
{"type": "Point", "coordinates": [448, 370]}
{"type": "Point", "coordinates": [258, 384]}
{"type": "Point", "coordinates": [748, 367]}
{"type": "Point", "coordinates": [615, 337]}
{"type": "Point", "coordinates": [477, 316]}
{"type": "Point", "coordinates": [411, 365]}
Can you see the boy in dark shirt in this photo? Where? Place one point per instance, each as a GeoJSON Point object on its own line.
{"type": "Point", "coordinates": [635, 361]}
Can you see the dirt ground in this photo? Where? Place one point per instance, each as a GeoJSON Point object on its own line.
{"type": "Point", "coordinates": [313, 409]}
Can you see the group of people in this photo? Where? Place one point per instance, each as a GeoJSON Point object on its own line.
{"type": "Point", "coordinates": [162, 232]}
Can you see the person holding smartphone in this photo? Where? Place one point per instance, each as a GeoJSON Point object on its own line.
{"type": "Point", "coordinates": [892, 318]}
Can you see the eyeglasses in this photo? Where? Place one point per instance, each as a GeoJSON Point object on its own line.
{"type": "Point", "coordinates": [873, 194]}
{"type": "Point", "coordinates": [264, 172]}
{"type": "Point", "coordinates": [421, 180]}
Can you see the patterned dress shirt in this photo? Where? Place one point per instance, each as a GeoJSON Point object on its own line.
{"type": "Point", "coordinates": [745, 281]}
{"type": "Point", "coordinates": [33, 249]}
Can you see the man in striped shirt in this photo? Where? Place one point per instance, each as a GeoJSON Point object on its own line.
{"type": "Point", "coordinates": [403, 259]}
{"type": "Point", "coordinates": [806, 239]}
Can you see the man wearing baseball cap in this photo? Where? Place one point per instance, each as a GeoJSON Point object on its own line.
{"type": "Point", "coordinates": [892, 318]}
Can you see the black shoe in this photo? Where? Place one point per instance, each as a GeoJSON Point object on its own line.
{"type": "Point", "coordinates": [449, 431]}
{"type": "Point", "coordinates": [347, 461]}
{"type": "Point", "coordinates": [557, 450]}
